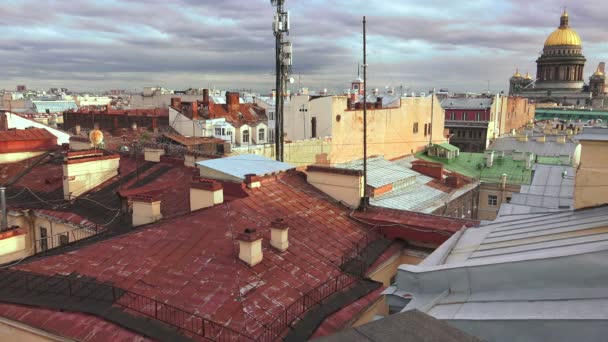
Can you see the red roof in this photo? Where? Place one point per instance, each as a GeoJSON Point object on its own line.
{"type": "Point", "coordinates": [26, 135]}
{"type": "Point", "coordinates": [78, 326]}
{"type": "Point", "coordinates": [243, 114]}
{"type": "Point", "coordinates": [413, 226]}
{"type": "Point", "coordinates": [192, 261]}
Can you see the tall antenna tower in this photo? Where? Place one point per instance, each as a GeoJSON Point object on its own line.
{"type": "Point", "coordinates": [284, 61]}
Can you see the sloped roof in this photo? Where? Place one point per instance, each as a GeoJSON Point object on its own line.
{"type": "Point", "coordinates": [466, 103]}
{"type": "Point", "coordinates": [448, 147]}
{"type": "Point", "coordinates": [549, 191]}
{"type": "Point", "coordinates": [411, 326]}
{"type": "Point", "coordinates": [26, 135]}
{"type": "Point", "coordinates": [54, 106]}
{"type": "Point", "coordinates": [241, 165]}
{"type": "Point", "coordinates": [549, 148]}
{"type": "Point", "coordinates": [192, 262]}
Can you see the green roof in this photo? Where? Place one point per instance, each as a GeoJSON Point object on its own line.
{"type": "Point", "coordinates": [448, 147]}
{"type": "Point", "coordinates": [550, 161]}
{"type": "Point", "coordinates": [473, 165]}
{"type": "Point", "coordinates": [549, 113]}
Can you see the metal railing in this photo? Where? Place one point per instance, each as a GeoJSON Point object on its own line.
{"type": "Point", "coordinates": [38, 284]}
{"type": "Point", "coordinates": [310, 299]}
{"type": "Point", "coordinates": [65, 238]}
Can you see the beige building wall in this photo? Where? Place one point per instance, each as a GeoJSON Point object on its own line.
{"type": "Point", "coordinates": [345, 188]}
{"type": "Point", "coordinates": [79, 178]}
{"type": "Point", "coordinates": [18, 332]}
{"type": "Point", "coordinates": [16, 248]}
{"type": "Point", "coordinates": [9, 158]}
{"type": "Point", "coordinates": [487, 212]}
{"type": "Point", "coordinates": [298, 153]}
{"type": "Point", "coordinates": [592, 176]}
{"type": "Point", "coordinates": [391, 131]}
{"type": "Point", "coordinates": [298, 124]}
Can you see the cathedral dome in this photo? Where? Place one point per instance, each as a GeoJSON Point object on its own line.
{"type": "Point", "coordinates": [564, 35]}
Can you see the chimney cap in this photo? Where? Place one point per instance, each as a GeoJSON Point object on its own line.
{"type": "Point", "coordinates": [249, 235]}
{"type": "Point", "coordinates": [279, 223]}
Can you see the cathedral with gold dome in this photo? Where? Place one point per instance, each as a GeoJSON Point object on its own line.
{"type": "Point", "coordinates": [560, 78]}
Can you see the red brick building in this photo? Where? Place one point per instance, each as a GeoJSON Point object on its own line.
{"type": "Point", "coordinates": [112, 119]}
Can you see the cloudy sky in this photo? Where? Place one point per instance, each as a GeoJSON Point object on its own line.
{"type": "Point", "coordinates": [129, 44]}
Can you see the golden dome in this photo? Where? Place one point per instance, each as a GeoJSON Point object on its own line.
{"type": "Point", "coordinates": [517, 74]}
{"type": "Point", "coordinates": [528, 77]}
{"type": "Point", "coordinates": [598, 72]}
{"type": "Point", "coordinates": [564, 35]}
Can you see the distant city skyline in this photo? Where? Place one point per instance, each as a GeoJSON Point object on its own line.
{"type": "Point", "coordinates": [100, 45]}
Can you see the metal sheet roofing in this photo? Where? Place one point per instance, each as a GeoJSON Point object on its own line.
{"type": "Point", "coordinates": [595, 133]}
{"type": "Point", "coordinates": [53, 106]}
{"type": "Point", "coordinates": [463, 103]}
{"type": "Point", "coordinates": [380, 171]}
{"type": "Point", "coordinates": [549, 148]}
{"type": "Point", "coordinates": [448, 147]}
{"type": "Point", "coordinates": [239, 166]}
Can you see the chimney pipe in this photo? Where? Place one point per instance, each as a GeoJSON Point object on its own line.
{"type": "Point", "coordinates": [4, 223]}
{"type": "Point", "coordinates": [250, 247]}
{"type": "Point", "coordinates": [503, 181]}
{"type": "Point", "coordinates": [278, 234]}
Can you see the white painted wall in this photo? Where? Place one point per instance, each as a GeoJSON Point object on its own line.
{"type": "Point", "coordinates": [81, 177]}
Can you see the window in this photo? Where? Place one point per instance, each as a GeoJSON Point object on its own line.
{"type": "Point", "coordinates": [63, 239]}
{"type": "Point", "coordinates": [270, 115]}
{"type": "Point", "coordinates": [245, 136]}
{"type": "Point", "coordinates": [452, 116]}
{"type": "Point", "coordinates": [44, 243]}
{"type": "Point", "coordinates": [218, 131]}
{"type": "Point", "coordinates": [271, 135]}
{"type": "Point", "coordinates": [261, 135]}
{"type": "Point", "coordinates": [478, 116]}
{"type": "Point", "coordinates": [426, 127]}
{"type": "Point", "coordinates": [492, 200]}
{"type": "Point", "coordinates": [415, 127]}
{"type": "Point", "coordinates": [313, 125]}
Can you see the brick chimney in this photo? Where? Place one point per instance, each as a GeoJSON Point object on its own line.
{"type": "Point", "coordinates": [146, 209]}
{"type": "Point", "coordinates": [232, 101]}
{"type": "Point", "coordinates": [194, 110]}
{"type": "Point", "coordinates": [205, 98]}
{"type": "Point", "coordinates": [434, 170]}
{"type": "Point", "coordinates": [279, 234]}
{"type": "Point", "coordinates": [176, 103]}
{"type": "Point", "coordinates": [3, 122]}
{"type": "Point", "coordinates": [205, 193]}
{"type": "Point", "coordinates": [250, 247]}
{"type": "Point", "coordinates": [453, 181]}
{"type": "Point", "coordinates": [252, 181]}
{"type": "Point", "coordinates": [378, 103]}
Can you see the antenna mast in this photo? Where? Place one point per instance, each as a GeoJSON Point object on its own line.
{"type": "Point", "coordinates": [365, 198]}
{"type": "Point", "coordinates": [283, 59]}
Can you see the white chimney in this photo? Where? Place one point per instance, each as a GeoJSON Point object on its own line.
{"type": "Point", "coordinates": [529, 161]}
{"type": "Point", "coordinates": [205, 193]}
{"type": "Point", "coordinates": [561, 139]}
{"type": "Point", "coordinates": [250, 247]}
{"type": "Point", "coordinates": [503, 181]}
{"type": "Point", "coordinates": [489, 158]}
{"type": "Point", "coordinates": [146, 209]}
{"type": "Point", "coordinates": [279, 234]}
{"type": "Point", "coordinates": [542, 139]}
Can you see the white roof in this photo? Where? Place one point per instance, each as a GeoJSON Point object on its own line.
{"type": "Point", "coordinates": [239, 166]}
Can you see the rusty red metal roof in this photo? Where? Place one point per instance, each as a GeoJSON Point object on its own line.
{"type": "Point", "coordinates": [412, 226]}
{"type": "Point", "coordinates": [192, 261]}
{"type": "Point", "coordinates": [26, 135]}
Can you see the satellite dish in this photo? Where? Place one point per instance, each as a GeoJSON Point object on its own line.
{"type": "Point", "coordinates": [96, 137]}
{"type": "Point", "coordinates": [291, 80]}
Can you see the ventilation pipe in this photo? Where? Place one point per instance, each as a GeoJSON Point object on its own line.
{"type": "Point", "coordinates": [278, 234]}
{"type": "Point", "coordinates": [4, 223]}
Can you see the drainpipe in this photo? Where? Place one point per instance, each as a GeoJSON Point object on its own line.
{"type": "Point", "coordinates": [4, 223]}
